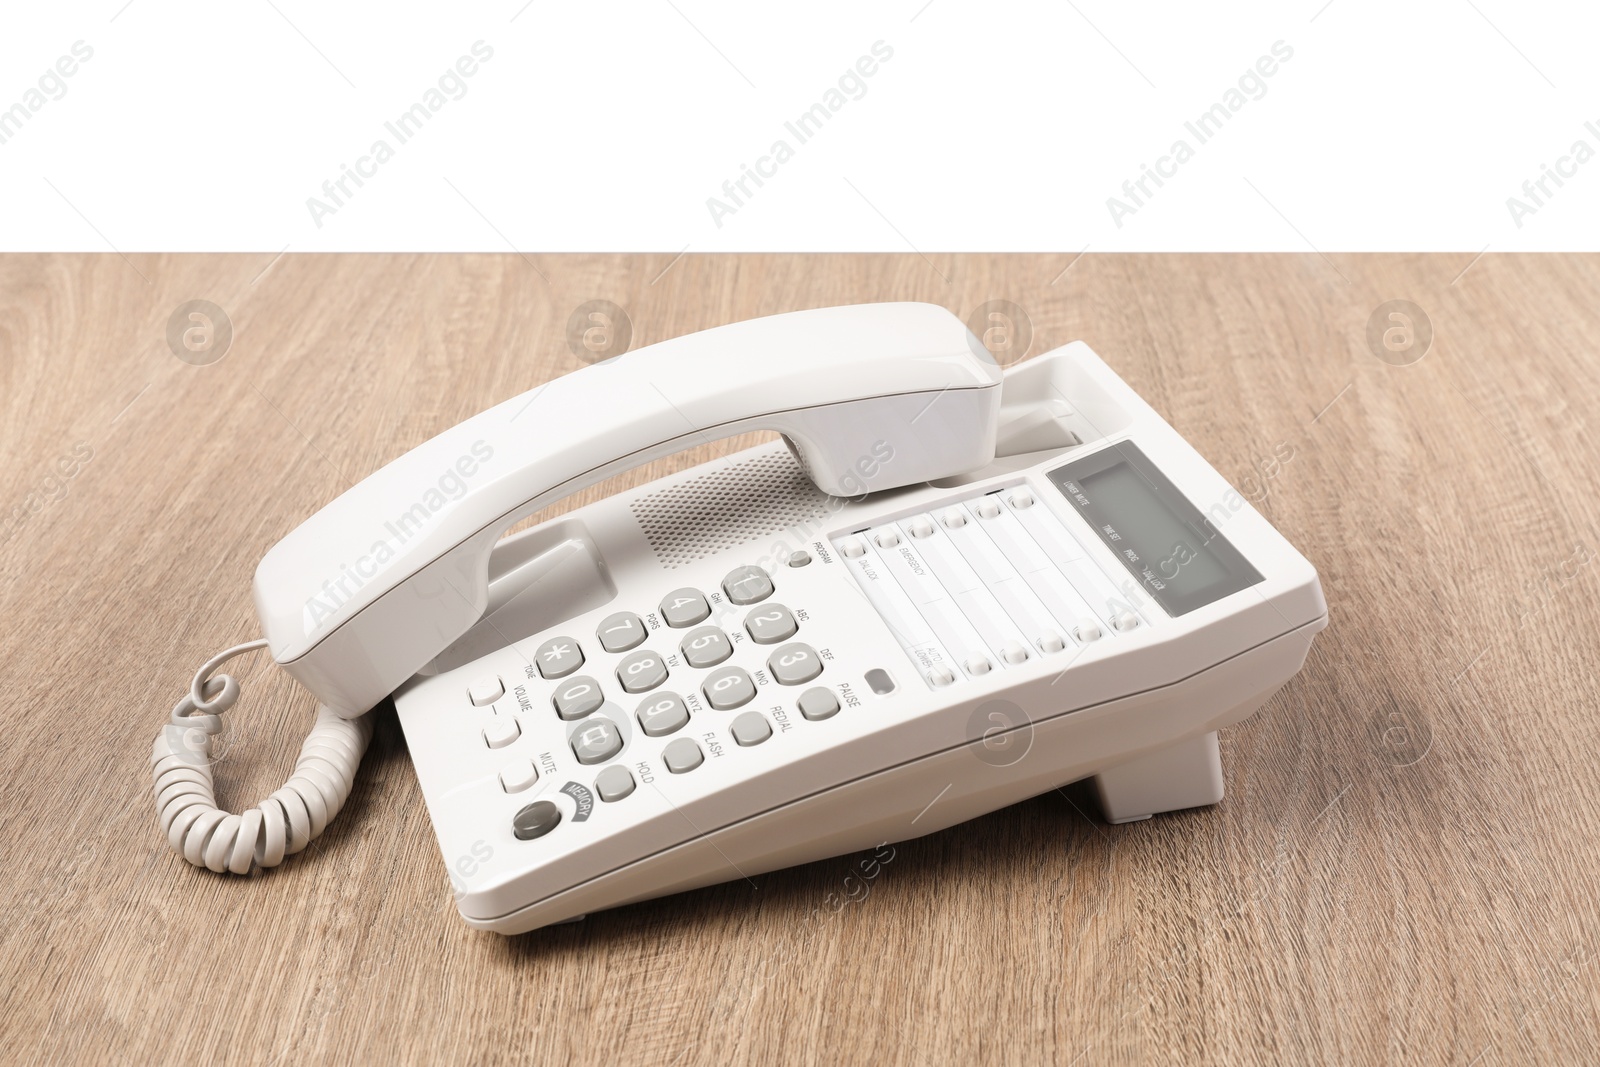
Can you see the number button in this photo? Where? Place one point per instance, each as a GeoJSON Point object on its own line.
{"type": "Point", "coordinates": [558, 657]}
{"type": "Point", "coordinates": [620, 632]}
{"type": "Point", "coordinates": [577, 697]}
{"type": "Point", "coordinates": [641, 672]}
{"type": "Point", "coordinates": [747, 585]}
{"type": "Point", "coordinates": [795, 664]}
{"type": "Point", "coordinates": [684, 607]}
{"type": "Point", "coordinates": [597, 742]}
{"type": "Point", "coordinates": [682, 756]}
{"type": "Point", "coordinates": [706, 647]}
{"type": "Point", "coordinates": [663, 714]}
{"type": "Point", "coordinates": [729, 688]}
{"type": "Point", "coordinates": [770, 624]}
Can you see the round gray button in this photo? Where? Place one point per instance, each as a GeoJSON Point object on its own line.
{"type": "Point", "coordinates": [577, 697]}
{"type": "Point", "coordinates": [558, 657]}
{"type": "Point", "coordinates": [706, 647]}
{"type": "Point", "coordinates": [800, 558]}
{"type": "Point", "coordinates": [746, 585]}
{"type": "Point", "coordinates": [620, 632]}
{"type": "Point", "coordinates": [614, 783]}
{"type": "Point", "coordinates": [795, 663]}
{"type": "Point", "coordinates": [535, 820]}
{"type": "Point", "coordinates": [662, 714]}
{"type": "Point", "coordinates": [641, 672]}
{"type": "Point", "coordinates": [682, 755]}
{"type": "Point", "coordinates": [770, 623]}
{"type": "Point", "coordinates": [750, 728]}
{"type": "Point", "coordinates": [684, 607]}
{"type": "Point", "coordinates": [729, 688]}
{"type": "Point", "coordinates": [597, 742]}
{"type": "Point", "coordinates": [818, 702]}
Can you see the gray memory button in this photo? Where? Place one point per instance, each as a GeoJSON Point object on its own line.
{"type": "Point", "coordinates": [597, 742]}
{"type": "Point", "coordinates": [577, 697]}
{"type": "Point", "coordinates": [558, 657]}
{"type": "Point", "coordinates": [614, 783]}
{"type": "Point", "coordinates": [750, 728]}
{"type": "Point", "coordinates": [770, 623]}
{"type": "Point", "coordinates": [641, 671]}
{"type": "Point", "coordinates": [620, 632]}
{"type": "Point", "coordinates": [663, 714]}
{"type": "Point", "coordinates": [746, 585]}
{"type": "Point", "coordinates": [818, 702]}
{"type": "Point", "coordinates": [684, 607]}
{"type": "Point", "coordinates": [706, 647]}
{"type": "Point", "coordinates": [682, 755]}
{"type": "Point", "coordinates": [795, 663]}
{"type": "Point", "coordinates": [535, 820]}
{"type": "Point", "coordinates": [729, 688]}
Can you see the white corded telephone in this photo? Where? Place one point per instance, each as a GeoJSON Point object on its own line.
{"type": "Point", "coordinates": [954, 589]}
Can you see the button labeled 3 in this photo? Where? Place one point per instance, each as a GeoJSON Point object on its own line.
{"type": "Point", "coordinates": [795, 664]}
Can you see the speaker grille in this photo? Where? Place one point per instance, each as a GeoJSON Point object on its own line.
{"type": "Point", "coordinates": [730, 506]}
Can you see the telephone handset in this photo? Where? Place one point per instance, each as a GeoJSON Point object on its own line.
{"type": "Point", "coordinates": [946, 590]}
{"type": "Point", "coordinates": [368, 590]}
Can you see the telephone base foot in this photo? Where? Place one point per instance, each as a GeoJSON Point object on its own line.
{"type": "Point", "coordinates": [1185, 775]}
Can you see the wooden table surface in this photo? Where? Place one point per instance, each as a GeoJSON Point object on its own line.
{"type": "Point", "coordinates": [1404, 868]}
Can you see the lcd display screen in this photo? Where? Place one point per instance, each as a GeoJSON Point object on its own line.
{"type": "Point", "coordinates": [1163, 540]}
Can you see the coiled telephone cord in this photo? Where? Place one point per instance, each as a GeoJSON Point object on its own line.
{"type": "Point", "coordinates": [282, 824]}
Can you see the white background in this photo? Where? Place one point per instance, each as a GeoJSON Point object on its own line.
{"type": "Point", "coordinates": [997, 125]}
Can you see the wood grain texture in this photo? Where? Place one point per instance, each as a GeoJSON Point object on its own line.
{"type": "Point", "coordinates": [1404, 869]}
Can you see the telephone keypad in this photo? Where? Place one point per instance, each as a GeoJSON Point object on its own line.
{"type": "Point", "coordinates": [662, 714]}
{"type": "Point", "coordinates": [597, 742]}
{"type": "Point", "coordinates": [729, 688]}
{"type": "Point", "coordinates": [621, 632]}
{"type": "Point", "coordinates": [706, 647]}
{"type": "Point", "coordinates": [795, 663]}
{"type": "Point", "coordinates": [682, 756]}
{"type": "Point", "coordinates": [684, 607]}
{"type": "Point", "coordinates": [577, 697]}
{"type": "Point", "coordinates": [770, 623]}
{"type": "Point", "coordinates": [558, 657]}
{"type": "Point", "coordinates": [747, 585]}
{"type": "Point", "coordinates": [750, 728]}
{"type": "Point", "coordinates": [641, 672]}
{"type": "Point", "coordinates": [613, 784]}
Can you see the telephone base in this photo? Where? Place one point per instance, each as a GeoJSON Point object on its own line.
{"type": "Point", "coordinates": [1185, 775]}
